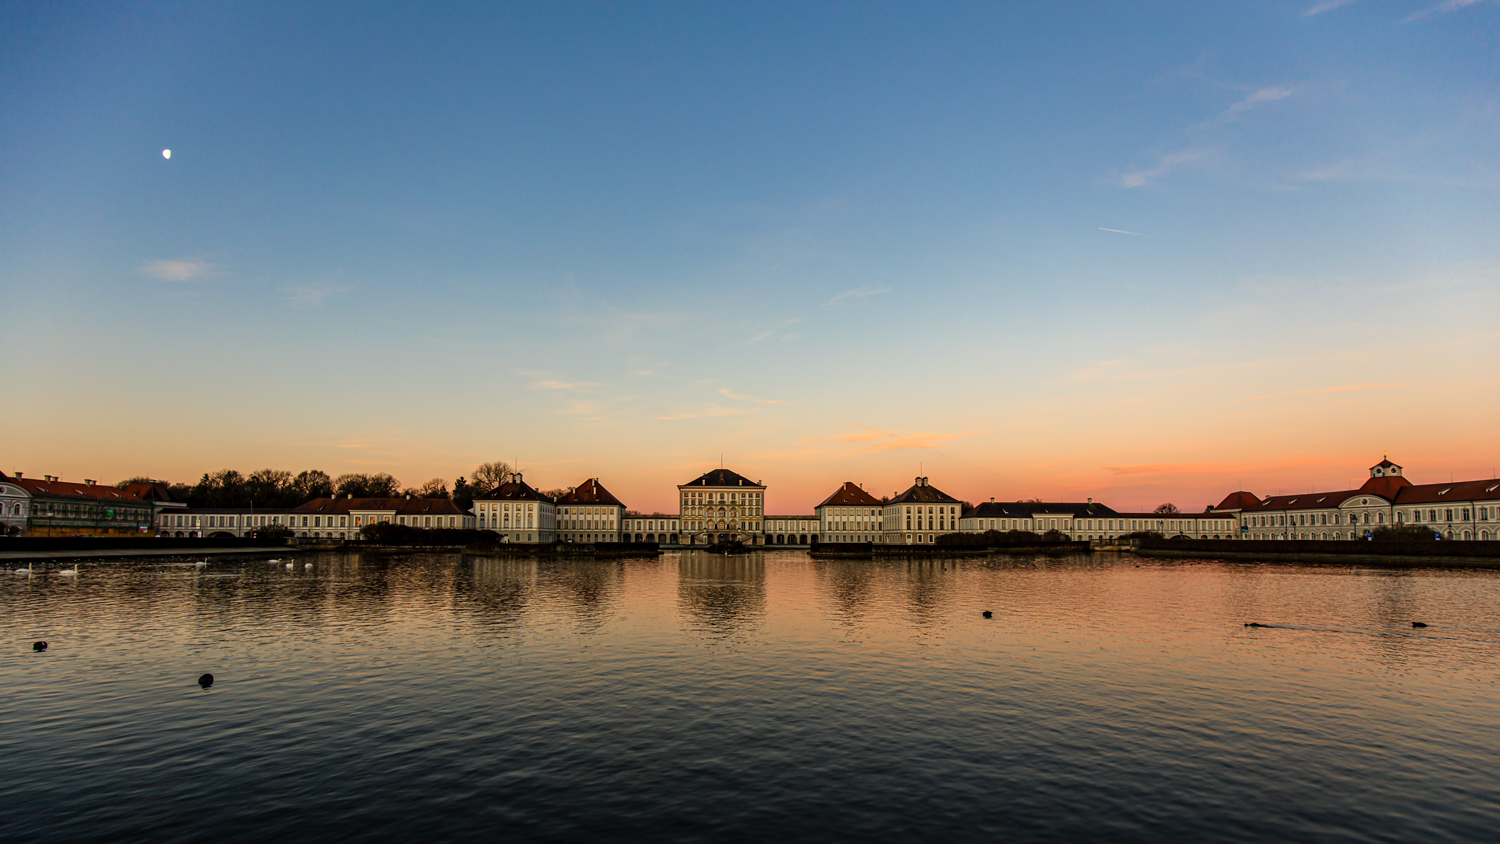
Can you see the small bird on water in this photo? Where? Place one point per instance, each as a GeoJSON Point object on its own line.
{"type": "Point", "coordinates": [988, 614]}
{"type": "Point", "coordinates": [1417, 624]}
{"type": "Point", "coordinates": [39, 646]}
{"type": "Point", "coordinates": [206, 680]}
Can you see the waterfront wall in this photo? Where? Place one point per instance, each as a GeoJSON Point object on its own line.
{"type": "Point", "coordinates": [1308, 549]}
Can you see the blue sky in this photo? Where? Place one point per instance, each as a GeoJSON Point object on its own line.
{"type": "Point", "coordinates": [1130, 250]}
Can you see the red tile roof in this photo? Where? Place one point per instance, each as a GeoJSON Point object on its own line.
{"type": "Point", "coordinates": [1239, 501]}
{"type": "Point", "coordinates": [590, 492]}
{"type": "Point", "coordinates": [1386, 487]}
{"type": "Point", "coordinates": [68, 489]}
{"type": "Point", "coordinates": [1308, 500]}
{"type": "Point", "coordinates": [152, 491]}
{"type": "Point", "coordinates": [1460, 491]}
{"type": "Point", "coordinates": [850, 495]}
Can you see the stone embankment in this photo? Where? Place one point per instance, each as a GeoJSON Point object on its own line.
{"type": "Point", "coordinates": [1368, 553]}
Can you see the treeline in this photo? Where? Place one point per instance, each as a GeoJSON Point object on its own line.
{"type": "Point", "coordinates": [279, 489]}
{"type": "Point", "coordinates": [1001, 539]}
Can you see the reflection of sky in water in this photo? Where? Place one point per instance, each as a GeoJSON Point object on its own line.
{"type": "Point", "coordinates": [432, 695]}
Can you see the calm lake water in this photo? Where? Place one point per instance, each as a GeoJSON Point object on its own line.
{"type": "Point", "coordinates": [769, 697]}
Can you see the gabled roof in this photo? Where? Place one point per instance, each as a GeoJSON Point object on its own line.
{"type": "Point", "coordinates": [1000, 510]}
{"type": "Point", "coordinates": [722, 477]}
{"type": "Point", "coordinates": [68, 489]}
{"type": "Point", "coordinates": [1239, 501]}
{"type": "Point", "coordinates": [590, 492]}
{"type": "Point", "coordinates": [1070, 509]}
{"type": "Point", "coordinates": [515, 489]}
{"type": "Point", "coordinates": [1309, 500]}
{"type": "Point", "coordinates": [922, 492]}
{"type": "Point", "coordinates": [850, 495]}
{"type": "Point", "coordinates": [1385, 463]}
{"type": "Point", "coordinates": [1147, 516]}
{"type": "Point", "coordinates": [1027, 509]}
{"type": "Point", "coordinates": [401, 506]}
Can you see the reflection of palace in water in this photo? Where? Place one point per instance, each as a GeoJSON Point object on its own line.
{"type": "Point", "coordinates": [722, 593]}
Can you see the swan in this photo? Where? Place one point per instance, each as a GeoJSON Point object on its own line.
{"type": "Point", "coordinates": [273, 561]}
{"type": "Point", "coordinates": [201, 563]}
{"type": "Point", "coordinates": [72, 572]}
{"type": "Point", "coordinates": [307, 566]}
{"type": "Point", "coordinates": [290, 566]}
{"type": "Point", "coordinates": [26, 570]}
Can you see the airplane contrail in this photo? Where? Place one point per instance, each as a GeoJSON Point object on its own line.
{"type": "Point", "coordinates": [1122, 231]}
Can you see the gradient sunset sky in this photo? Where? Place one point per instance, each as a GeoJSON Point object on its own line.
{"type": "Point", "coordinates": [1139, 252]}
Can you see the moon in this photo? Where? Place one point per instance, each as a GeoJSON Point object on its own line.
{"type": "Point", "coordinates": [166, 153]}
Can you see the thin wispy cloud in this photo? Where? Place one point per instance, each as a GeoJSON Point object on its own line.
{"type": "Point", "coordinates": [1443, 9]}
{"type": "Point", "coordinates": [711, 411]}
{"type": "Point", "coordinates": [1326, 6]}
{"type": "Point", "coordinates": [1347, 388]}
{"type": "Point", "coordinates": [1122, 231]}
{"type": "Point", "coordinates": [555, 384]}
{"type": "Point", "coordinates": [866, 438]}
{"type": "Point", "coordinates": [1169, 162]}
{"type": "Point", "coordinates": [306, 296]}
{"type": "Point", "coordinates": [779, 332]}
{"type": "Point", "coordinates": [1236, 111]}
{"type": "Point", "coordinates": [742, 397]}
{"type": "Point", "coordinates": [858, 293]}
{"type": "Point", "coordinates": [180, 270]}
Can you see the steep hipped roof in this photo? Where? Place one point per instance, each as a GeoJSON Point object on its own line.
{"type": "Point", "coordinates": [1239, 501]}
{"type": "Point", "coordinates": [850, 495]}
{"type": "Point", "coordinates": [400, 506]}
{"type": "Point", "coordinates": [590, 492]}
{"type": "Point", "coordinates": [1385, 487]}
{"type": "Point", "coordinates": [150, 491]}
{"type": "Point", "coordinates": [515, 489]}
{"type": "Point", "coordinates": [722, 477]}
{"type": "Point", "coordinates": [922, 492]}
{"type": "Point", "coordinates": [68, 489]}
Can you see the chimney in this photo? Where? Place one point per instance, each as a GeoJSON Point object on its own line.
{"type": "Point", "coordinates": [89, 482]}
{"type": "Point", "coordinates": [351, 495]}
{"type": "Point", "coordinates": [1091, 501]}
{"type": "Point", "coordinates": [20, 474]}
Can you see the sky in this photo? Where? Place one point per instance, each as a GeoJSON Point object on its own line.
{"type": "Point", "coordinates": [1136, 252]}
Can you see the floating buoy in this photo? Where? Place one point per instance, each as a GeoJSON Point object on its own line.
{"type": "Point", "coordinates": [206, 680]}
{"type": "Point", "coordinates": [988, 614]}
{"type": "Point", "coordinates": [1417, 624]}
{"type": "Point", "coordinates": [1256, 624]}
{"type": "Point", "coordinates": [39, 646]}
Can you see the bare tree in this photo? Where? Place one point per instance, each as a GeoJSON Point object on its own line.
{"type": "Point", "coordinates": [487, 476]}
{"type": "Point", "coordinates": [1166, 509]}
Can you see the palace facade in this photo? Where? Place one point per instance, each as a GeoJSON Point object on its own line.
{"type": "Point", "coordinates": [1462, 510]}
